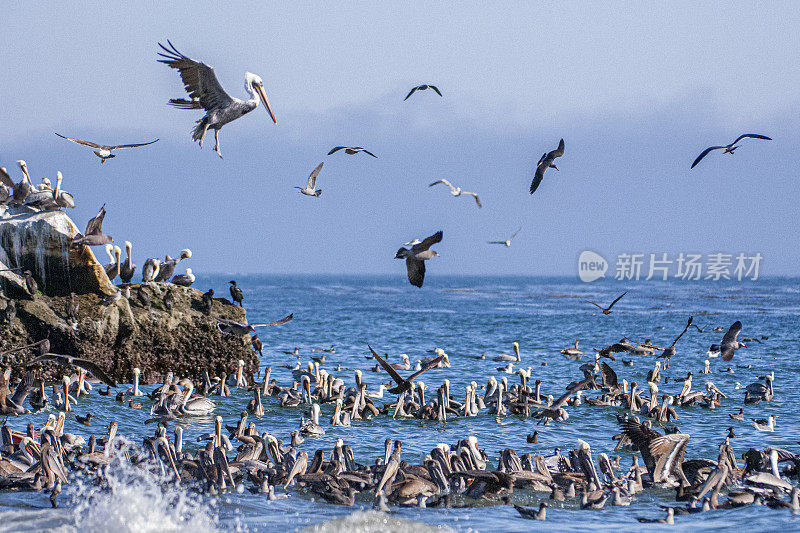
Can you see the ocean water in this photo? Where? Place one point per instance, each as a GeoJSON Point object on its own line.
{"type": "Point", "coordinates": [467, 317]}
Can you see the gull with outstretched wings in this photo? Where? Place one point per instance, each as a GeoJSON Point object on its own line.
{"type": "Point", "coordinates": [729, 148]}
{"type": "Point", "coordinates": [103, 151]}
{"type": "Point", "coordinates": [312, 182]}
{"type": "Point", "coordinates": [547, 161]}
{"type": "Point", "coordinates": [507, 242]}
{"type": "Point", "coordinates": [457, 191]}
{"type": "Point", "coordinates": [231, 327]}
{"type": "Point", "coordinates": [69, 360]}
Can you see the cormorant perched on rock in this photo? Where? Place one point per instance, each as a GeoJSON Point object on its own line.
{"type": "Point", "coordinates": [236, 293]}
{"type": "Point", "coordinates": [30, 284]}
{"type": "Point", "coordinates": [72, 307]}
{"type": "Point", "coordinates": [169, 301]}
{"type": "Point", "coordinates": [207, 301]}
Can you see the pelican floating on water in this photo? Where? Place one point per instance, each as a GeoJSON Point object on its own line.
{"type": "Point", "coordinates": [205, 91]}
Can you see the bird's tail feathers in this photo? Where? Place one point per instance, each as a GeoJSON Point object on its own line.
{"type": "Point", "coordinates": [199, 128]}
{"type": "Point", "coordinates": [183, 103]}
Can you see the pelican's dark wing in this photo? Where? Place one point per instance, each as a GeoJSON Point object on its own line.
{"type": "Point", "coordinates": [705, 153]}
{"type": "Point", "coordinates": [280, 322]}
{"type": "Point", "coordinates": [580, 386]}
{"type": "Point", "coordinates": [618, 299]}
{"type": "Point", "coordinates": [21, 392]}
{"type": "Point", "coordinates": [410, 93]}
{"type": "Point", "coordinates": [427, 243]}
{"type": "Point", "coordinates": [596, 305]}
{"type": "Point", "coordinates": [688, 324]}
{"type": "Point", "coordinates": [198, 79]}
{"type": "Point", "coordinates": [435, 88]}
{"type": "Point", "coordinates": [609, 376]}
{"type": "Point", "coordinates": [95, 225]}
{"type": "Point", "coordinates": [432, 364]}
{"type": "Point", "coordinates": [416, 271]}
{"type": "Point", "coordinates": [386, 366]}
{"type": "Point", "coordinates": [732, 333]}
{"type": "Point", "coordinates": [85, 143]}
{"type": "Point", "coordinates": [5, 178]}
{"type": "Point", "coordinates": [121, 146]}
{"type": "Point", "coordinates": [752, 136]}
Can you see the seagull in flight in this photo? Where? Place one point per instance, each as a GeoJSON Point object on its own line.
{"type": "Point", "coordinates": [422, 88]}
{"type": "Point", "coordinates": [547, 161]}
{"type": "Point", "coordinates": [103, 151]}
{"type": "Point", "coordinates": [507, 243]}
{"type": "Point", "coordinates": [607, 310]}
{"type": "Point", "coordinates": [456, 191]}
{"type": "Point", "coordinates": [730, 147]}
{"type": "Point", "coordinates": [352, 150]}
{"type": "Point", "coordinates": [312, 182]}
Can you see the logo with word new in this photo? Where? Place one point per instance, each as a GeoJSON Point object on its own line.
{"type": "Point", "coordinates": [591, 266]}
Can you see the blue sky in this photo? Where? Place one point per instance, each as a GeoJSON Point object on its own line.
{"type": "Point", "coordinates": [636, 92]}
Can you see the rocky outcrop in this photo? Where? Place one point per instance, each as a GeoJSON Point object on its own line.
{"type": "Point", "coordinates": [123, 334]}
{"type": "Point", "coordinates": [39, 241]}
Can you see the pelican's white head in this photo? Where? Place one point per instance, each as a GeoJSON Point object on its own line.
{"type": "Point", "coordinates": [186, 254]}
{"type": "Point", "coordinates": [254, 85]}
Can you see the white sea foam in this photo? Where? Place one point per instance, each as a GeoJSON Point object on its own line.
{"type": "Point", "coordinates": [373, 521]}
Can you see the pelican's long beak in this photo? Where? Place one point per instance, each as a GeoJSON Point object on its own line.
{"type": "Point", "coordinates": [261, 94]}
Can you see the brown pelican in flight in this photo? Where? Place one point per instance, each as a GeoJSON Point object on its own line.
{"type": "Point", "coordinates": [547, 161]}
{"type": "Point", "coordinates": [416, 257]}
{"type": "Point", "coordinates": [730, 147]}
{"type": "Point", "coordinates": [422, 88]}
{"type": "Point", "coordinates": [507, 243]}
{"type": "Point", "coordinates": [103, 151]}
{"type": "Point", "coordinates": [607, 310]}
{"type": "Point", "coordinates": [456, 191]}
{"type": "Point", "coordinates": [206, 93]}
{"type": "Point", "coordinates": [312, 182]}
{"type": "Point", "coordinates": [351, 150]}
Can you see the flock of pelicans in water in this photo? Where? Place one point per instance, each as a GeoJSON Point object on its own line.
{"type": "Point", "coordinates": [245, 457]}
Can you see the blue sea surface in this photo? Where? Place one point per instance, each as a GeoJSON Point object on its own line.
{"type": "Point", "coordinates": [467, 317]}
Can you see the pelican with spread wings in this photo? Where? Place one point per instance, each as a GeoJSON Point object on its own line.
{"type": "Point", "coordinates": [103, 151]}
{"type": "Point", "coordinates": [205, 92]}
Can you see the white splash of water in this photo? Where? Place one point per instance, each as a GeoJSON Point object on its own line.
{"type": "Point", "coordinates": [373, 521]}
